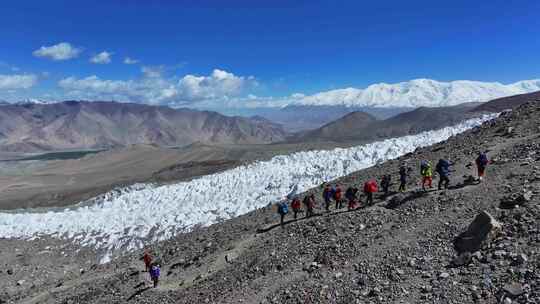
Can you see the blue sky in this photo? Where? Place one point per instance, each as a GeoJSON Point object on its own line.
{"type": "Point", "coordinates": [273, 49]}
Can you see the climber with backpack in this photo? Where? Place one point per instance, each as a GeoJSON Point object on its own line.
{"type": "Point", "coordinates": [385, 184]}
{"type": "Point", "coordinates": [443, 169]}
{"type": "Point", "coordinates": [309, 202]}
{"type": "Point", "coordinates": [295, 205]}
{"type": "Point", "coordinates": [427, 174]}
{"type": "Point", "coordinates": [481, 164]}
{"type": "Point", "coordinates": [327, 195]}
{"type": "Point", "coordinates": [350, 194]}
{"type": "Point", "coordinates": [338, 197]}
{"type": "Point", "coordinates": [147, 259]}
{"type": "Point", "coordinates": [283, 209]}
{"type": "Point", "coordinates": [155, 273]}
{"type": "Point", "coordinates": [370, 187]}
{"type": "Point", "coordinates": [403, 174]}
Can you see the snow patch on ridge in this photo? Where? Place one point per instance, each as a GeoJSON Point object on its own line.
{"type": "Point", "coordinates": [151, 213]}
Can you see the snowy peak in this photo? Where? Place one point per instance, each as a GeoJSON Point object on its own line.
{"type": "Point", "coordinates": [419, 92]}
{"type": "Point", "coordinates": [37, 101]}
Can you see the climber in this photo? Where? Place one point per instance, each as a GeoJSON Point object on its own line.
{"type": "Point", "coordinates": [295, 205]}
{"type": "Point", "coordinates": [350, 194]}
{"type": "Point", "coordinates": [154, 274]}
{"type": "Point", "coordinates": [283, 209]}
{"type": "Point", "coordinates": [403, 177]}
{"type": "Point", "coordinates": [327, 195]}
{"type": "Point", "coordinates": [481, 163]}
{"type": "Point", "coordinates": [385, 184]}
{"type": "Point", "coordinates": [443, 169]}
{"type": "Point", "coordinates": [370, 187]}
{"type": "Point", "coordinates": [147, 259]}
{"type": "Point", "coordinates": [309, 202]}
{"type": "Point", "coordinates": [426, 171]}
{"type": "Point", "coordinates": [338, 197]}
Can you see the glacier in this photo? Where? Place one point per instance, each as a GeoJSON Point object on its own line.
{"type": "Point", "coordinates": [145, 213]}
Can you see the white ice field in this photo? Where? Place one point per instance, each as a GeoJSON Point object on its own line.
{"type": "Point", "coordinates": [149, 213]}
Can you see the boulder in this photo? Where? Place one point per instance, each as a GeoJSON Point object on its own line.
{"type": "Point", "coordinates": [509, 131]}
{"type": "Point", "coordinates": [469, 180]}
{"type": "Point", "coordinates": [481, 231]}
{"type": "Point", "coordinates": [231, 257]}
{"type": "Point", "coordinates": [514, 289]}
{"type": "Point", "coordinates": [521, 259]}
{"type": "Point", "coordinates": [395, 201]}
{"type": "Point", "coordinates": [464, 258]}
{"type": "Point", "coordinates": [516, 200]}
{"type": "Point", "coordinates": [525, 197]}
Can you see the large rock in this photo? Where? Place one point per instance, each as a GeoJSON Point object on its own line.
{"type": "Point", "coordinates": [395, 201]}
{"type": "Point", "coordinates": [514, 289]}
{"type": "Point", "coordinates": [516, 200]}
{"type": "Point", "coordinates": [481, 231]}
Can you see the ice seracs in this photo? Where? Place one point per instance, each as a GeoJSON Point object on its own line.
{"type": "Point", "coordinates": [125, 219]}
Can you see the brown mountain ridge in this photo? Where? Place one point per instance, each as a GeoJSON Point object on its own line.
{"type": "Point", "coordinates": [98, 124]}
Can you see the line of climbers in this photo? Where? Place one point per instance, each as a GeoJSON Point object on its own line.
{"type": "Point", "coordinates": [335, 193]}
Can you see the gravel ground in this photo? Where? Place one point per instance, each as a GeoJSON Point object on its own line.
{"type": "Point", "coordinates": [399, 251]}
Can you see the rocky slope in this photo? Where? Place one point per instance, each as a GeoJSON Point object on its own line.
{"type": "Point", "coordinates": [505, 103]}
{"type": "Point", "coordinates": [83, 125]}
{"type": "Point", "coordinates": [400, 250]}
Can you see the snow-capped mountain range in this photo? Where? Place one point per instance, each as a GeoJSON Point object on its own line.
{"type": "Point", "coordinates": [409, 94]}
{"type": "Point", "coordinates": [37, 101]}
{"type": "Point", "coordinates": [29, 101]}
{"type": "Point", "coordinates": [418, 93]}
{"type": "Point", "coordinates": [126, 219]}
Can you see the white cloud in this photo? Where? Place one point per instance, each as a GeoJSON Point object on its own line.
{"type": "Point", "coordinates": [153, 71]}
{"type": "Point", "coordinates": [145, 90]}
{"type": "Point", "coordinates": [153, 88]}
{"type": "Point", "coordinates": [94, 83]}
{"type": "Point", "coordinates": [129, 60]}
{"type": "Point", "coordinates": [20, 81]}
{"type": "Point", "coordinates": [219, 83]}
{"type": "Point", "coordinates": [101, 58]}
{"type": "Point", "coordinates": [58, 52]}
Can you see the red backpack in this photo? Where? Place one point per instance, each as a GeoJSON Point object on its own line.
{"type": "Point", "coordinates": [371, 186]}
{"type": "Point", "coordinates": [295, 204]}
{"type": "Point", "coordinates": [337, 195]}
